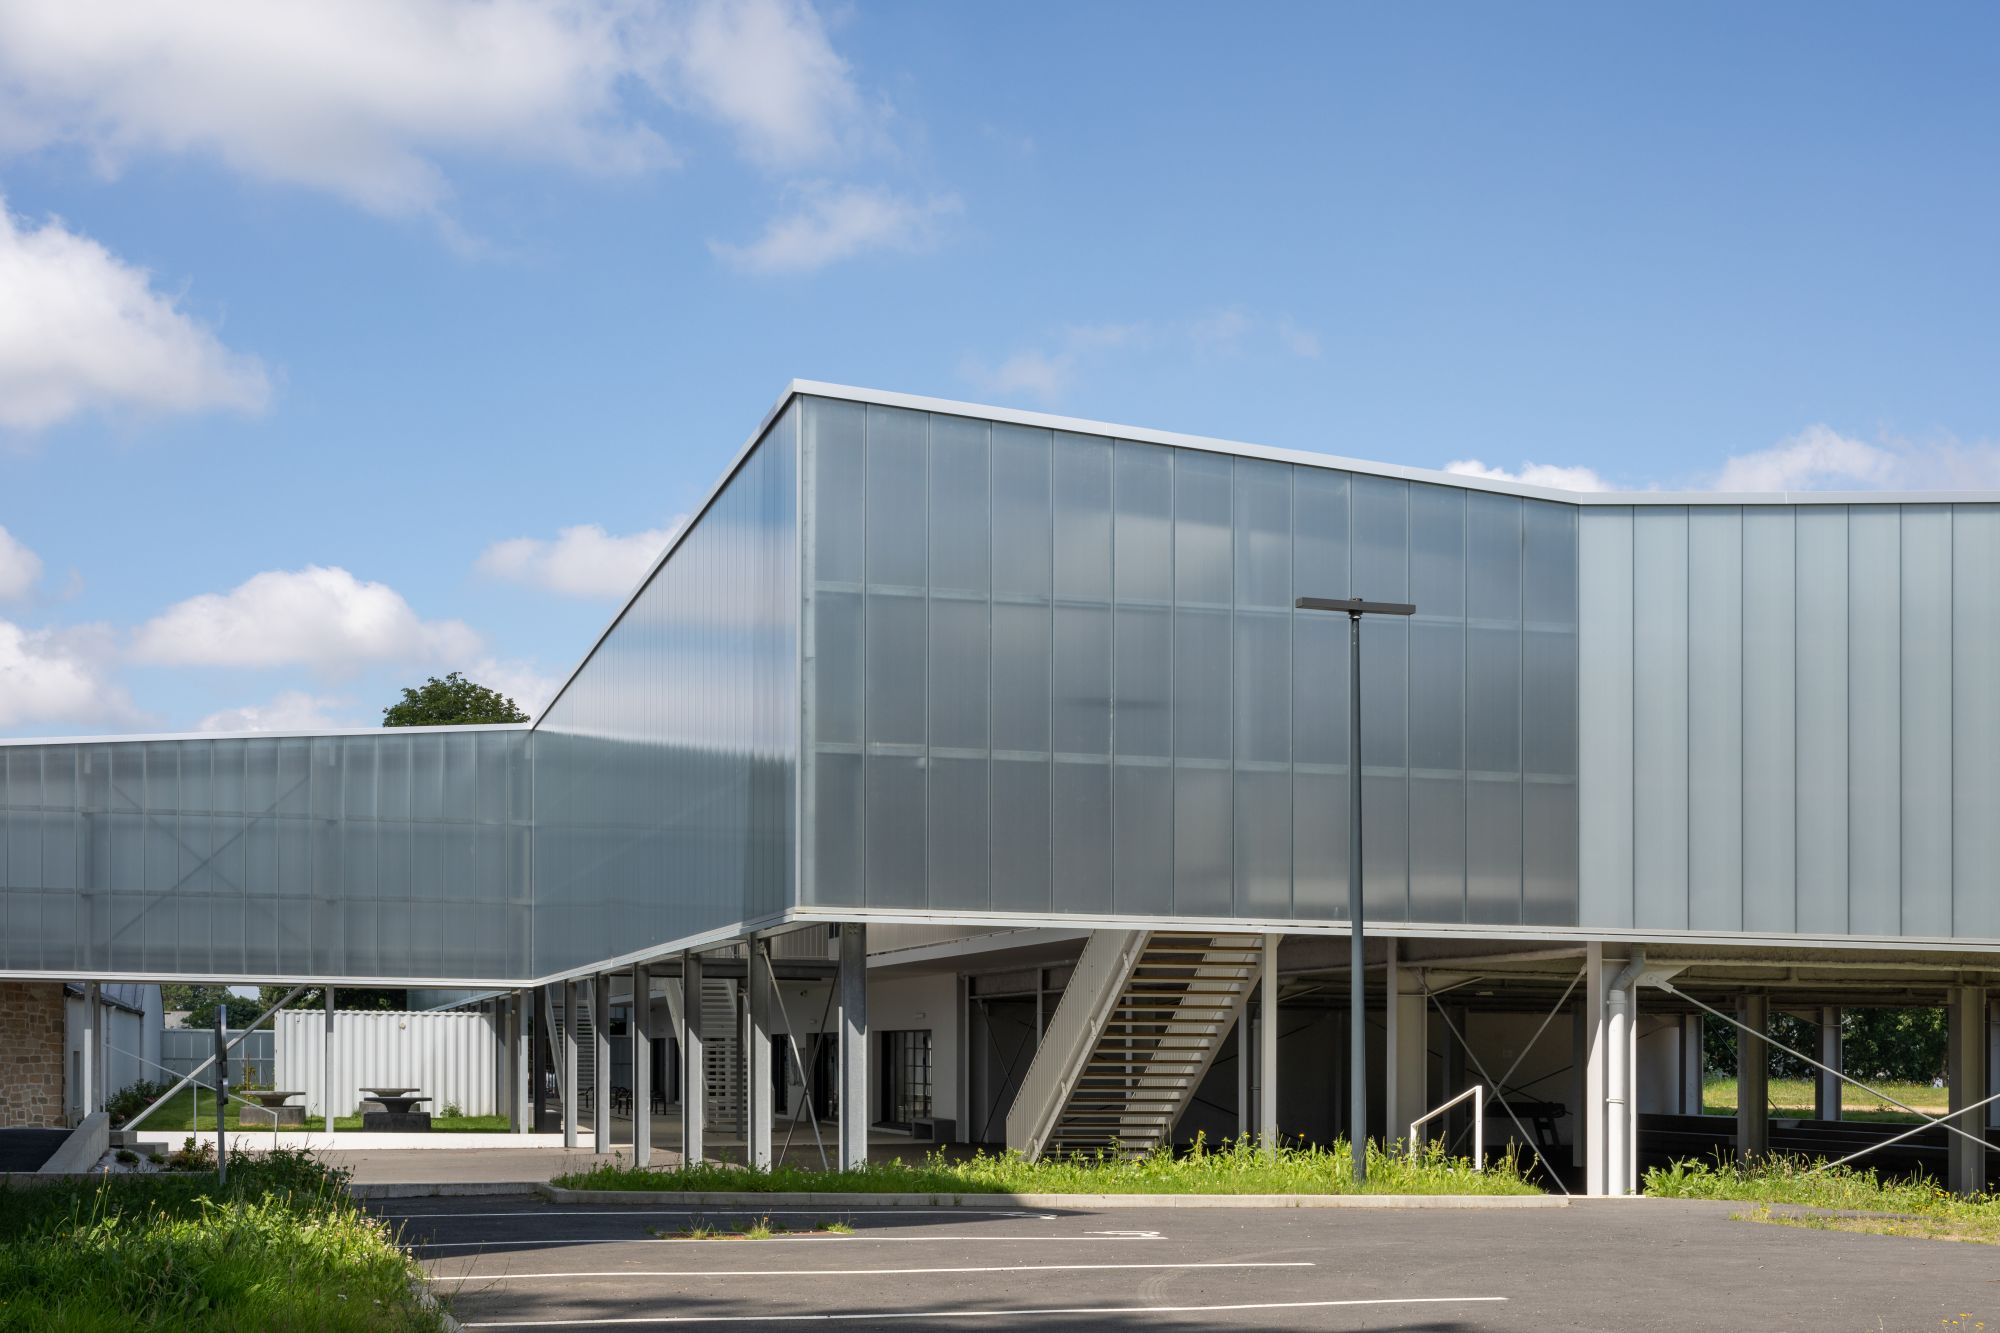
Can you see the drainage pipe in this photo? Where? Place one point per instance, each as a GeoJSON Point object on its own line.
{"type": "Point", "coordinates": [1618, 1076]}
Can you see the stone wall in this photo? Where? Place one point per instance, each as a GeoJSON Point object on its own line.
{"type": "Point", "coordinates": [31, 1054]}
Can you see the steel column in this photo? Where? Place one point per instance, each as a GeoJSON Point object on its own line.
{"type": "Point", "coordinates": [1267, 1047]}
{"type": "Point", "coordinates": [853, 1050]}
{"type": "Point", "coordinates": [572, 992]}
{"type": "Point", "coordinates": [1966, 1077]}
{"type": "Point", "coordinates": [757, 1063]}
{"type": "Point", "coordinates": [1753, 1079]}
{"type": "Point", "coordinates": [515, 1092]}
{"type": "Point", "coordinates": [600, 1062]}
{"type": "Point", "coordinates": [88, 1093]}
{"type": "Point", "coordinates": [1826, 1088]}
{"type": "Point", "coordinates": [326, 1058]}
{"type": "Point", "coordinates": [694, 1077]}
{"type": "Point", "coordinates": [641, 1032]}
{"type": "Point", "coordinates": [1596, 1034]}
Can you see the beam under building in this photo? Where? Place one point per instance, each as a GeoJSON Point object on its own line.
{"type": "Point", "coordinates": [1753, 1079]}
{"type": "Point", "coordinates": [853, 1049]}
{"type": "Point", "coordinates": [1967, 1077]}
{"type": "Point", "coordinates": [694, 1076]}
{"type": "Point", "coordinates": [641, 1032]}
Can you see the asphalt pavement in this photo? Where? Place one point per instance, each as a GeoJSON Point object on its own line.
{"type": "Point", "coordinates": [1612, 1264]}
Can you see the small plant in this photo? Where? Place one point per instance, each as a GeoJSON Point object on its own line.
{"type": "Point", "coordinates": [127, 1156]}
{"type": "Point", "coordinates": [192, 1155]}
{"type": "Point", "coordinates": [133, 1098]}
{"type": "Point", "coordinates": [761, 1229]}
{"type": "Point", "coordinates": [452, 1111]}
{"type": "Point", "coordinates": [838, 1226]}
{"type": "Point", "coordinates": [697, 1229]}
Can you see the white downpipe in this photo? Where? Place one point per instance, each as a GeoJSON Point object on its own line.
{"type": "Point", "coordinates": [1619, 1054]}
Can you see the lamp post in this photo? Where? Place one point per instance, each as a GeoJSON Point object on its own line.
{"type": "Point", "coordinates": [1357, 989]}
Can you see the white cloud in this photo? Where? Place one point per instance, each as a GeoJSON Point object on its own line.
{"type": "Point", "coordinates": [525, 683]}
{"type": "Point", "coordinates": [1534, 474]}
{"type": "Point", "coordinates": [319, 616]}
{"type": "Point", "coordinates": [836, 222]}
{"type": "Point", "coordinates": [1047, 372]}
{"type": "Point", "coordinates": [293, 710]}
{"type": "Point", "coordinates": [1821, 458]}
{"type": "Point", "coordinates": [366, 99]}
{"type": "Point", "coordinates": [59, 676]}
{"type": "Point", "coordinates": [80, 328]}
{"type": "Point", "coordinates": [582, 561]}
{"type": "Point", "coordinates": [20, 568]}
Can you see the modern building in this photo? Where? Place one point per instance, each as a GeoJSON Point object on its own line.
{"type": "Point", "coordinates": [988, 750]}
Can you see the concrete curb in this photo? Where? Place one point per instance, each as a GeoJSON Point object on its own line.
{"type": "Point", "coordinates": [440, 1189]}
{"type": "Point", "coordinates": [752, 1201]}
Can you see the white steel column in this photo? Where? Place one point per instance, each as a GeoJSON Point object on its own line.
{"type": "Point", "coordinates": [694, 1077]}
{"type": "Point", "coordinates": [1406, 1052]}
{"type": "Point", "coordinates": [572, 992]}
{"type": "Point", "coordinates": [1694, 1066]}
{"type": "Point", "coordinates": [1753, 1079]}
{"type": "Point", "coordinates": [1267, 1048]}
{"type": "Point", "coordinates": [512, 1085]}
{"type": "Point", "coordinates": [326, 1060]}
{"type": "Point", "coordinates": [853, 1050]}
{"type": "Point", "coordinates": [543, 1049]}
{"type": "Point", "coordinates": [90, 1091]}
{"type": "Point", "coordinates": [600, 1062]}
{"type": "Point", "coordinates": [757, 1095]}
{"type": "Point", "coordinates": [641, 1031]}
{"type": "Point", "coordinates": [1966, 1077]}
{"type": "Point", "coordinates": [1596, 1037]}
{"type": "Point", "coordinates": [1826, 1092]}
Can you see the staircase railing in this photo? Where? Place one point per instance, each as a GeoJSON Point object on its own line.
{"type": "Point", "coordinates": [1100, 975]}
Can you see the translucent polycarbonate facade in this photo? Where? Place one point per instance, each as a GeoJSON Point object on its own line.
{"type": "Point", "coordinates": [1059, 673]}
{"type": "Point", "coordinates": [401, 854]}
{"type": "Point", "coordinates": [1791, 719]}
{"type": "Point", "coordinates": [665, 771]}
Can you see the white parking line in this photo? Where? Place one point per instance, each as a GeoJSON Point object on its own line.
{"type": "Point", "coordinates": [1065, 1311]}
{"type": "Point", "coordinates": [858, 1272]}
{"type": "Point", "coordinates": [538, 1242]}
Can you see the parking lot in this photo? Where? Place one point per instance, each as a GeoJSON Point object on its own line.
{"type": "Point", "coordinates": [521, 1263]}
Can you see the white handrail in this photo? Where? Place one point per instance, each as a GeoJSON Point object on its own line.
{"type": "Point", "coordinates": [1100, 973]}
{"type": "Point", "coordinates": [1478, 1094]}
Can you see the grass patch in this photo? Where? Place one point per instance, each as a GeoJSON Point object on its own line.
{"type": "Point", "coordinates": [1832, 1196]}
{"type": "Point", "coordinates": [837, 1227]}
{"type": "Point", "coordinates": [280, 1247]}
{"type": "Point", "coordinates": [1235, 1167]}
{"type": "Point", "coordinates": [1794, 1097]}
{"type": "Point", "coordinates": [179, 1115]}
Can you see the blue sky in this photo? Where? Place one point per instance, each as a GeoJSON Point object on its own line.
{"type": "Point", "coordinates": [341, 343]}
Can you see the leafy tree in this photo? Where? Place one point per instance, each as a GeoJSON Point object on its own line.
{"type": "Point", "coordinates": [345, 997]}
{"type": "Point", "coordinates": [200, 1003]}
{"type": "Point", "coordinates": [451, 702]}
{"type": "Point", "coordinates": [1899, 1045]}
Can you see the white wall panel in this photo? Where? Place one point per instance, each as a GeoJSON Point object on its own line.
{"type": "Point", "coordinates": [1660, 717]}
{"type": "Point", "coordinates": [1715, 718]}
{"type": "Point", "coordinates": [1925, 758]}
{"type": "Point", "coordinates": [1975, 694]}
{"type": "Point", "coordinates": [1604, 716]}
{"type": "Point", "coordinates": [1874, 720]}
{"type": "Point", "coordinates": [1822, 713]}
{"type": "Point", "coordinates": [1770, 720]}
{"type": "Point", "coordinates": [451, 1056]}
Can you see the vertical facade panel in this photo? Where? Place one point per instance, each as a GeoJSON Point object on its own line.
{"type": "Point", "coordinates": [1660, 717]}
{"type": "Point", "coordinates": [1926, 671]}
{"type": "Point", "coordinates": [1874, 720]}
{"type": "Point", "coordinates": [1320, 568]}
{"type": "Point", "coordinates": [1975, 714]}
{"type": "Point", "coordinates": [1715, 718]}
{"type": "Point", "coordinates": [1770, 719]}
{"type": "Point", "coordinates": [1604, 713]}
{"type": "Point", "coordinates": [1822, 718]}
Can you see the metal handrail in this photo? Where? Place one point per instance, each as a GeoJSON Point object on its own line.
{"type": "Point", "coordinates": [1478, 1094]}
{"type": "Point", "coordinates": [1102, 970]}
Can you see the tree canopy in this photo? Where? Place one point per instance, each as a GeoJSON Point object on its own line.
{"type": "Point", "coordinates": [200, 1002]}
{"type": "Point", "coordinates": [451, 702]}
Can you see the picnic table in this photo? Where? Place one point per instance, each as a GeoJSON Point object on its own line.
{"type": "Point", "coordinates": [398, 1111]}
{"type": "Point", "coordinates": [274, 1103]}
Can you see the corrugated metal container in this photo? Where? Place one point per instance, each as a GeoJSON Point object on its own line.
{"type": "Point", "coordinates": [452, 1058]}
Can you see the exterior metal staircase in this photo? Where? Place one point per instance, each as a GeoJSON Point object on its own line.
{"type": "Point", "coordinates": [1137, 1029]}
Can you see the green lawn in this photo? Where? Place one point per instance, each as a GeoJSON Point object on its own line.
{"type": "Point", "coordinates": [280, 1247]}
{"type": "Point", "coordinates": [1826, 1198]}
{"type": "Point", "coordinates": [179, 1114]}
{"type": "Point", "coordinates": [1236, 1167]}
{"type": "Point", "coordinates": [1794, 1097]}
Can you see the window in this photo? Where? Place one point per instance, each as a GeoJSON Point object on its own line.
{"type": "Point", "coordinates": [906, 1078]}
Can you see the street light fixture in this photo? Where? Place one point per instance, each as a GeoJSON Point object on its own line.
{"type": "Point", "coordinates": [1357, 990]}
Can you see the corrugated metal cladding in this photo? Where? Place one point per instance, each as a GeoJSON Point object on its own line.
{"type": "Point", "coordinates": [1057, 673]}
{"type": "Point", "coordinates": [452, 1057]}
{"type": "Point", "coordinates": [664, 773]}
{"type": "Point", "coordinates": [394, 854]}
{"type": "Point", "coordinates": [1791, 719]}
